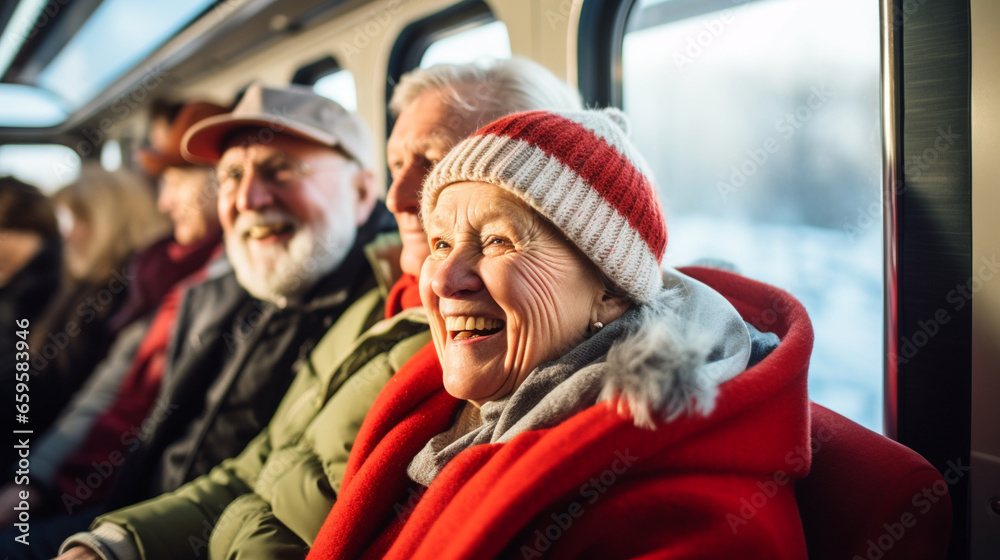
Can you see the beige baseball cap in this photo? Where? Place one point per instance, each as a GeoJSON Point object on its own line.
{"type": "Point", "coordinates": [292, 110]}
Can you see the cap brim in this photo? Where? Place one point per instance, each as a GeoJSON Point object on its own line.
{"type": "Point", "coordinates": [202, 144]}
{"type": "Point", "coordinates": [154, 162]}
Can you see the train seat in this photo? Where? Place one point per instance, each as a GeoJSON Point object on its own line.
{"type": "Point", "coordinates": [869, 497]}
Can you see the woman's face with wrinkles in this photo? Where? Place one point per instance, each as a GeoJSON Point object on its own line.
{"type": "Point", "coordinates": [505, 291]}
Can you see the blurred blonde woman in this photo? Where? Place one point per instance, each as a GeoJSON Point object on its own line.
{"type": "Point", "coordinates": [105, 217]}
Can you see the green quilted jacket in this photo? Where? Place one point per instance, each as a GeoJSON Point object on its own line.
{"type": "Point", "coordinates": [270, 501]}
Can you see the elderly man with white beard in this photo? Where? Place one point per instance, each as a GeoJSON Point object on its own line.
{"type": "Point", "coordinates": [300, 218]}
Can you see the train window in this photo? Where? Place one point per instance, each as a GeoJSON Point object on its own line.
{"type": "Point", "coordinates": [47, 166]}
{"type": "Point", "coordinates": [469, 44]}
{"type": "Point", "coordinates": [339, 86]}
{"type": "Point", "coordinates": [760, 120]}
{"type": "Point", "coordinates": [29, 106]}
{"type": "Point", "coordinates": [118, 35]}
{"type": "Point", "coordinates": [111, 155]}
{"type": "Point", "coordinates": [328, 79]}
{"type": "Point", "coordinates": [462, 33]}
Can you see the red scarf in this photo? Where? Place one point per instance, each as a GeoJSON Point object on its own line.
{"type": "Point", "coordinates": [403, 295]}
{"type": "Point", "coordinates": [156, 270]}
{"type": "Point", "coordinates": [595, 485]}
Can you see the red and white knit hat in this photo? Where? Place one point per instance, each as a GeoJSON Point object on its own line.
{"type": "Point", "coordinates": [580, 171]}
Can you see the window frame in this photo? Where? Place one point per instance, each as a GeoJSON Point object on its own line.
{"type": "Point", "coordinates": [313, 72]}
{"type": "Point", "coordinates": [414, 40]}
{"type": "Point", "coordinates": [599, 61]}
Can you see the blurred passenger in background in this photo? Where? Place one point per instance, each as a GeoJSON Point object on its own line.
{"type": "Point", "coordinates": [106, 218]}
{"type": "Point", "coordinates": [186, 191]}
{"type": "Point", "coordinates": [124, 386]}
{"type": "Point", "coordinates": [30, 263]}
{"type": "Point", "coordinates": [30, 251]}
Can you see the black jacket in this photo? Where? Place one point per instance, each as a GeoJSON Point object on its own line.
{"type": "Point", "coordinates": [231, 360]}
{"type": "Point", "coordinates": [25, 296]}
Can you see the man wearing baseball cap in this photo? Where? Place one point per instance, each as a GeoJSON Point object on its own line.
{"type": "Point", "coordinates": [298, 205]}
{"type": "Point", "coordinates": [303, 230]}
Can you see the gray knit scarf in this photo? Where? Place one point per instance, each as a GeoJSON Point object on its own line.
{"type": "Point", "coordinates": [664, 358]}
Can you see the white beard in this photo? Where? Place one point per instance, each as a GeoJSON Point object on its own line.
{"type": "Point", "coordinates": [277, 272]}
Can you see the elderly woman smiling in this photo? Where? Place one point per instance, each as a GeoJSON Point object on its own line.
{"type": "Point", "coordinates": [576, 400]}
{"type": "Point", "coordinates": [505, 291]}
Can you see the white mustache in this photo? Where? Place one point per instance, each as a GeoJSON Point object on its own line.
{"type": "Point", "coordinates": [271, 218]}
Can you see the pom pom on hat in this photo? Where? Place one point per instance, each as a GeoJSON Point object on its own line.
{"type": "Point", "coordinates": [580, 171]}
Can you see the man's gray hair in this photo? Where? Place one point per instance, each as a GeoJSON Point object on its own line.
{"type": "Point", "coordinates": [491, 89]}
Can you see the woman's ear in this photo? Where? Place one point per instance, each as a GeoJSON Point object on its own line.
{"type": "Point", "coordinates": [609, 306]}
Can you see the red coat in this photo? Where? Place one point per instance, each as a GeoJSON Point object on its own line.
{"type": "Point", "coordinates": [595, 485]}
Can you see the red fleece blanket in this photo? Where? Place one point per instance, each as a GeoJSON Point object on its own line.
{"type": "Point", "coordinates": [594, 486]}
{"type": "Point", "coordinates": [404, 294]}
